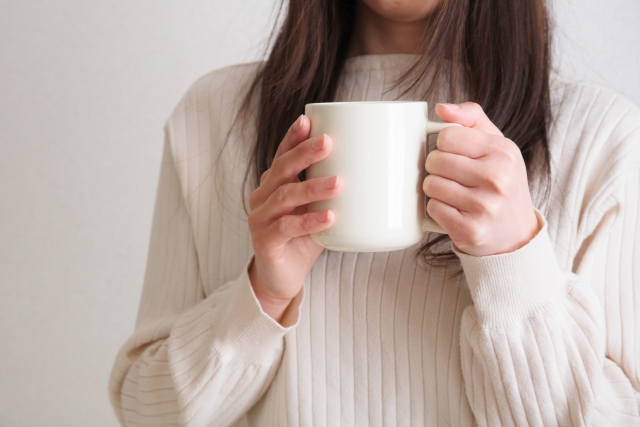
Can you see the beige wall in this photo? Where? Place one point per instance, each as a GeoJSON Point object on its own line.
{"type": "Point", "coordinates": [84, 90]}
{"type": "Point", "coordinates": [85, 87]}
{"type": "Point", "coordinates": [597, 42]}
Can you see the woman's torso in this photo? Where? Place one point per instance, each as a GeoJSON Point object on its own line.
{"type": "Point", "coordinates": [378, 338]}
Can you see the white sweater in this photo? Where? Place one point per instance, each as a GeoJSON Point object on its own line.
{"type": "Point", "coordinates": [546, 335]}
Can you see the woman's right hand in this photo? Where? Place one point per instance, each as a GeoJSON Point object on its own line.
{"type": "Point", "coordinates": [279, 222]}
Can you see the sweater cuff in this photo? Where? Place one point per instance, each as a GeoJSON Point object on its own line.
{"type": "Point", "coordinates": [508, 288]}
{"type": "Point", "coordinates": [242, 329]}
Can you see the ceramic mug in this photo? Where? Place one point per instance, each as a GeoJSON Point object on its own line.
{"type": "Point", "coordinates": [379, 150]}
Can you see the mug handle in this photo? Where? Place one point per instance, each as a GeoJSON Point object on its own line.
{"type": "Point", "coordinates": [428, 224]}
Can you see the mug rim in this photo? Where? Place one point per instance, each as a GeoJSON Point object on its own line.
{"type": "Point", "coordinates": [365, 102]}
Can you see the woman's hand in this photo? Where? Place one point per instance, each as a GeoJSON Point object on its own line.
{"type": "Point", "coordinates": [279, 222]}
{"type": "Point", "coordinates": [478, 186]}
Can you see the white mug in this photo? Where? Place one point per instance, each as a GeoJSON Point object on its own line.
{"type": "Point", "coordinates": [379, 151]}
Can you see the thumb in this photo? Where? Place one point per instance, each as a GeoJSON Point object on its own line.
{"type": "Point", "coordinates": [468, 114]}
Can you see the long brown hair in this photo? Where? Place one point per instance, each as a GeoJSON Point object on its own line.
{"type": "Point", "coordinates": [500, 48]}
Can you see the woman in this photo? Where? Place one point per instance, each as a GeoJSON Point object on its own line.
{"type": "Point", "coordinates": [528, 313]}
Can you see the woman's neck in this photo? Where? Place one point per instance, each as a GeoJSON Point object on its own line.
{"type": "Point", "coordinates": [375, 34]}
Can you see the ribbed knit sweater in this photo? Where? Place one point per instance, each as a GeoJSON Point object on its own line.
{"type": "Point", "coordinates": [547, 335]}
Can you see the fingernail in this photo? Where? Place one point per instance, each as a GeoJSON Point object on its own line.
{"type": "Point", "coordinates": [330, 182]}
{"type": "Point", "coordinates": [450, 106]}
{"type": "Point", "coordinates": [318, 142]}
{"type": "Point", "coordinates": [322, 216]}
{"type": "Point", "coordinates": [298, 124]}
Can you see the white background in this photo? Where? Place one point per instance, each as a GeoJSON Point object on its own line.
{"type": "Point", "coordinates": [85, 88]}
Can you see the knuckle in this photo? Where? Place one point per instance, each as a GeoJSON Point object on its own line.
{"type": "Point", "coordinates": [488, 208]}
{"type": "Point", "coordinates": [312, 186]}
{"type": "Point", "coordinates": [253, 199]}
{"type": "Point", "coordinates": [306, 221]}
{"type": "Point", "coordinates": [477, 108]}
{"type": "Point", "coordinates": [289, 162]}
{"type": "Point", "coordinates": [314, 190]}
{"type": "Point", "coordinates": [509, 149]}
{"type": "Point", "coordinates": [475, 234]}
{"type": "Point", "coordinates": [282, 225]}
{"type": "Point", "coordinates": [498, 182]}
{"type": "Point", "coordinates": [431, 160]}
{"type": "Point", "coordinates": [427, 185]}
{"type": "Point", "coordinates": [281, 194]}
{"type": "Point", "coordinates": [447, 133]}
{"type": "Point", "coordinates": [307, 152]}
{"type": "Point", "coordinates": [281, 165]}
{"type": "Point", "coordinates": [501, 183]}
{"type": "Point", "coordinates": [264, 175]}
{"type": "Point", "coordinates": [472, 237]}
{"type": "Point", "coordinates": [508, 153]}
{"type": "Point", "coordinates": [477, 205]}
{"type": "Point", "coordinates": [444, 137]}
{"type": "Point", "coordinates": [275, 164]}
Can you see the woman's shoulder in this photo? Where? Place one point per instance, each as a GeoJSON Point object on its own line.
{"type": "Point", "coordinates": [592, 127]}
{"type": "Point", "coordinates": [202, 120]}
{"type": "Point", "coordinates": [596, 108]}
{"type": "Point", "coordinates": [198, 128]}
{"type": "Point", "coordinates": [217, 91]}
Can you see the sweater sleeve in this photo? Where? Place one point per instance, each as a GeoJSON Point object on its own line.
{"type": "Point", "coordinates": [193, 359]}
{"type": "Point", "coordinates": [542, 346]}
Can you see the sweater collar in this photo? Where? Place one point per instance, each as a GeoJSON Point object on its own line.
{"type": "Point", "coordinates": [380, 62]}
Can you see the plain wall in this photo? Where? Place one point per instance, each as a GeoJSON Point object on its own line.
{"type": "Point", "coordinates": [85, 88]}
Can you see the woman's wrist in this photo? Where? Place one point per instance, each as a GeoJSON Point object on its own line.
{"type": "Point", "coordinates": [274, 307]}
{"type": "Point", "coordinates": [510, 287]}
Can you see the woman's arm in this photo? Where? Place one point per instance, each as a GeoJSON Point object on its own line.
{"type": "Point", "coordinates": [533, 344]}
{"type": "Point", "coordinates": [542, 345]}
{"type": "Point", "coordinates": [193, 360]}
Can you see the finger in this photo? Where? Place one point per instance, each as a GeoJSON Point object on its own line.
{"type": "Point", "coordinates": [449, 192]}
{"type": "Point", "coordinates": [289, 196]}
{"type": "Point", "coordinates": [286, 168]}
{"type": "Point", "coordinates": [448, 217]}
{"type": "Point", "coordinates": [298, 132]}
{"type": "Point", "coordinates": [291, 226]}
{"type": "Point", "coordinates": [468, 114]}
{"type": "Point", "coordinates": [455, 167]}
{"type": "Point", "coordinates": [264, 176]}
{"type": "Point", "coordinates": [467, 142]}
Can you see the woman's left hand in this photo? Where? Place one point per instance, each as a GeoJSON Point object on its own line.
{"type": "Point", "coordinates": [477, 185]}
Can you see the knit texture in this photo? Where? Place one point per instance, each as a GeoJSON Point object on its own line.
{"type": "Point", "coordinates": [548, 335]}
